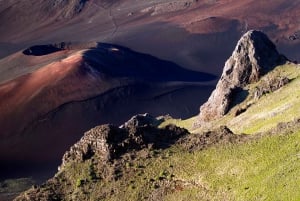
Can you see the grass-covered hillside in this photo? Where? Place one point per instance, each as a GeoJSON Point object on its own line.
{"type": "Point", "coordinates": [261, 164]}
{"type": "Point", "coordinates": [266, 166]}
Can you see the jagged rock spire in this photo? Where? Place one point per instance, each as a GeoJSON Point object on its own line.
{"type": "Point", "coordinates": [253, 56]}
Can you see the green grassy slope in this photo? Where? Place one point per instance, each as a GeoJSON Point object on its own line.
{"type": "Point", "coordinates": [265, 169]}
{"type": "Point", "coordinates": [261, 169]}
{"type": "Point", "coordinates": [279, 106]}
{"type": "Point", "coordinates": [265, 166]}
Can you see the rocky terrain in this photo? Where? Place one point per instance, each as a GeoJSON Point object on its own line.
{"type": "Point", "coordinates": [109, 149]}
{"type": "Point", "coordinates": [150, 158]}
{"type": "Point", "coordinates": [111, 152]}
{"type": "Point", "coordinates": [68, 66]}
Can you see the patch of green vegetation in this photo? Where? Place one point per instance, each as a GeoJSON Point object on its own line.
{"type": "Point", "coordinates": [282, 105]}
{"type": "Point", "coordinates": [264, 169]}
{"type": "Point", "coordinates": [261, 169]}
{"type": "Point", "coordinates": [187, 123]}
{"type": "Point", "coordinates": [79, 182]}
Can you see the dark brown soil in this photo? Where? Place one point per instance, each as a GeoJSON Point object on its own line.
{"type": "Point", "coordinates": [222, 135]}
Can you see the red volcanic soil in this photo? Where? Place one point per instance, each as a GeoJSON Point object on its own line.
{"type": "Point", "coordinates": [26, 99]}
{"type": "Point", "coordinates": [34, 94]}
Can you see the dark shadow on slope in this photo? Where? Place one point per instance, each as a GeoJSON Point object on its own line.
{"type": "Point", "coordinates": [238, 96]}
{"type": "Point", "coordinates": [40, 50]}
{"type": "Point", "coordinates": [118, 61]}
{"type": "Point", "coordinates": [68, 123]}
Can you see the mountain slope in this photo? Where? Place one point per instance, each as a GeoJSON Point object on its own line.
{"type": "Point", "coordinates": [214, 163]}
{"type": "Point", "coordinates": [63, 93]}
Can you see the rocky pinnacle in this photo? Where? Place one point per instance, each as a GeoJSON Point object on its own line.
{"type": "Point", "coordinates": [254, 55]}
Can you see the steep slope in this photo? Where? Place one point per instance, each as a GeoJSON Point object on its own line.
{"type": "Point", "coordinates": [110, 153]}
{"type": "Point", "coordinates": [59, 95]}
{"type": "Point", "coordinates": [215, 164]}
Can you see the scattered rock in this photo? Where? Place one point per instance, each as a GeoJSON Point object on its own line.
{"type": "Point", "coordinates": [241, 110]}
{"type": "Point", "coordinates": [270, 85]}
{"type": "Point", "coordinates": [100, 141]}
{"type": "Point", "coordinates": [253, 56]}
{"type": "Point", "coordinates": [295, 36]}
{"type": "Point", "coordinates": [201, 141]}
{"type": "Point", "coordinates": [70, 7]}
{"type": "Point", "coordinates": [283, 128]}
{"type": "Point", "coordinates": [168, 7]}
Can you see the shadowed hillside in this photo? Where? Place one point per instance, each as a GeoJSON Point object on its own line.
{"type": "Point", "coordinates": [77, 89]}
{"type": "Point", "coordinates": [150, 158]}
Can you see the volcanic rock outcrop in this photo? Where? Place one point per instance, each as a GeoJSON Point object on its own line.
{"type": "Point", "coordinates": [104, 148]}
{"type": "Point", "coordinates": [108, 142]}
{"type": "Point", "coordinates": [253, 56]}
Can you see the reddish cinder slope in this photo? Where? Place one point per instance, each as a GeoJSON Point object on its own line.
{"type": "Point", "coordinates": [277, 17]}
{"type": "Point", "coordinates": [32, 95]}
{"type": "Point", "coordinates": [48, 102]}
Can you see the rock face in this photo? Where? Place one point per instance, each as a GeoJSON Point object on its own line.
{"type": "Point", "coordinates": [104, 154]}
{"type": "Point", "coordinates": [253, 56]}
{"type": "Point", "coordinates": [109, 142]}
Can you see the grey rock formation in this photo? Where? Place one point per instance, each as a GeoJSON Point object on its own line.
{"type": "Point", "coordinates": [108, 142]}
{"type": "Point", "coordinates": [253, 56]}
{"type": "Point", "coordinates": [100, 141]}
{"type": "Point", "coordinates": [141, 120]}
